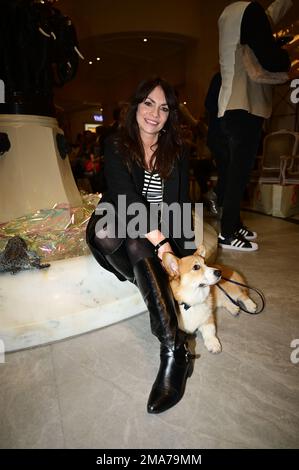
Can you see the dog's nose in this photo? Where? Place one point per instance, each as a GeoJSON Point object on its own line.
{"type": "Point", "coordinates": [217, 272]}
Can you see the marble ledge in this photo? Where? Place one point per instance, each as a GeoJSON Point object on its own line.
{"type": "Point", "coordinates": [73, 296]}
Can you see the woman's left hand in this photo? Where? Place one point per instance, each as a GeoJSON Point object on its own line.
{"type": "Point", "coordinates": [166, 248]}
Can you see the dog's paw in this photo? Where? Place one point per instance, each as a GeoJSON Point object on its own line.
{"type": "Point", "coordinates": [250, 305]}
{"type": "Point", "coordinates": [213, 345]}
{"type": "Point", "coordinates": [234, 310]}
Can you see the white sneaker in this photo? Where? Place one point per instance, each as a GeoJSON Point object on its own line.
{"type": "Point", "coordinates": [236, 242]}
{"type": "Point", "coordinates": [246, 233]}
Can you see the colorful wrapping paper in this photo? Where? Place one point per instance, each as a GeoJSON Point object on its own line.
{"type": "Point", "coordinates": [55, 233]}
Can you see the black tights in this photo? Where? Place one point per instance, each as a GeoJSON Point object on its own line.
{"type": "Point", "coordinates": [123, 254]}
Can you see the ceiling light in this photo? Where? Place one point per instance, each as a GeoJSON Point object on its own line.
{"type": "Point", "coordinates": [98, 58]}
{"type": "Point", "coordinates": [145, 39]}
{"type": "Point", "coordinates": [90, 62]}
{"type": "Point", "coordinates": [185, 102]}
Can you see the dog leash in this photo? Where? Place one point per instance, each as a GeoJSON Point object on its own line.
{"type": "Point", "coordinates": [239, 303]}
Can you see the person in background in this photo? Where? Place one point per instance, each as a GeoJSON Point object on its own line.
{"type": "Point", "coordinates": [119, 114]}
{"type": "Point", "coordinates": [244, 103]}
{"type": "Point", "coordinates": [195, 134]}
{"type": "Point", "coordinates": [217, 142]}
{"type": "Point", "coordinates": [146, 162]}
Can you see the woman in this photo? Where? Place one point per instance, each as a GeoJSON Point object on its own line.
{"type": "Point", "coordinates": [145, 163]}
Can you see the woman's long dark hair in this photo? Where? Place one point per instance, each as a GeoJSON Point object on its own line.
{"type": "Point", "coordinates": [169, 140]}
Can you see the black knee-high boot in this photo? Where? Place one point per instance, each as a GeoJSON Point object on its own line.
{"type": "Point", "coordinates": [176, 361]}
{"type": "Point", "coordinates": [119, 260]}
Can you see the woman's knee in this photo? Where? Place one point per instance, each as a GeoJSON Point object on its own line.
{"type": "Point", "coordinates": [139, 248]}
{"type": "Point", "coordinates": [106, 244]}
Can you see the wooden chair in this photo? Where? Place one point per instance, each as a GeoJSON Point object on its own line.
{"type": "Point", "coordinates": [289, 169]}
{"type": "Point", "coordinates": [279, 150]}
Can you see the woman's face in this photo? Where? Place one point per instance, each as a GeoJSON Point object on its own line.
{"type": "Point", "coordinates": [152, 113]}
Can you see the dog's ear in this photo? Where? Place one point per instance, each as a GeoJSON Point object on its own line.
{"type": "Point", "coordinates": [201, 251]}
{"type": "Point", "coordinates": [170, 263]}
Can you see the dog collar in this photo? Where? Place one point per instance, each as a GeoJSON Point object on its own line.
{"type": "Point", "coordinates": [186, 306]}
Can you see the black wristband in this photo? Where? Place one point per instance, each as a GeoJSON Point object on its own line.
{"type": "Point", "coordinates": [160, 244]}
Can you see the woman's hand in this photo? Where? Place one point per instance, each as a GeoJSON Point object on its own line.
{"type": "Point", "coordinates": [166, 248]}
{"type": "Point", "coordinates": [156, 237]}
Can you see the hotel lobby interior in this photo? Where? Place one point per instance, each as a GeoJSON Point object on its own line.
{"type": "Point", "coordinates": [77, 357]}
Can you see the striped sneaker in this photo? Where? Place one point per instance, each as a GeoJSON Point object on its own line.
{"type": "Point", "coordinates": [236, 242]}
{"type": "Point", "coordinates": [246, 233]}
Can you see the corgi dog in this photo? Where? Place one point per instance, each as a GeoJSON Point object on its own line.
{"type": "Point", "coordinates": [193, 284]}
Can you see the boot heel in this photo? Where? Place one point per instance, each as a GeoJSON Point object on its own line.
{"type": "Point", "coordinates": [169, 387]}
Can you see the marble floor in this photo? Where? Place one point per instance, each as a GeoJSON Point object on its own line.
{"type": "Point", "coordinates": [91, 391]}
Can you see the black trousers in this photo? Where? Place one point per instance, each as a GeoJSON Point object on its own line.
{"type": "Point", "coordinates": [218, 145]}
{"type": "Point", "coordinates": [243, 131]}
{"type": "Point", "coordinates": [202, 170]}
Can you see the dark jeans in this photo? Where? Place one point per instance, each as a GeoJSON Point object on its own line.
{"type": "Point", "coordinates": [218, 145]}
{"type": "Point", "coordinates": [202, 170]}
{"type": "Point", "coordinates": [243, 131]}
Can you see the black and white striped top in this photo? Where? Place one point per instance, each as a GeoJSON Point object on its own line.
{"type": "Point", "coordinates": [152, 187]}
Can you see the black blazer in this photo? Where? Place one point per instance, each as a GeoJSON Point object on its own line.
{"type": "Point", "coordinates": [121, 181]}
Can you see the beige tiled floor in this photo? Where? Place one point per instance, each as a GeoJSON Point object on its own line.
{"type": "Point", "coordinates": [91, 391]}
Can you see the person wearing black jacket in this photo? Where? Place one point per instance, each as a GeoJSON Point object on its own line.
{"type": "Point", "coordinates": [146, 166]}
